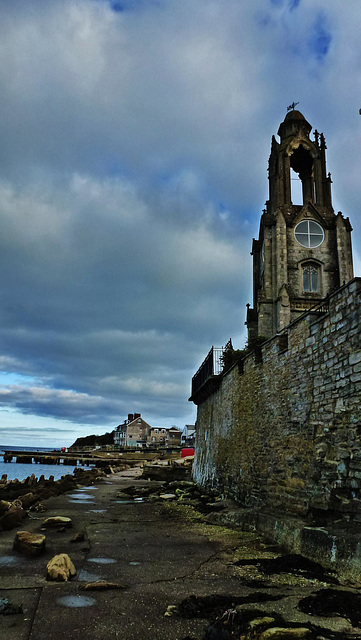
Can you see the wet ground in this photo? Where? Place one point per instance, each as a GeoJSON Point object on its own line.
{"type": "Point", "coordinates": [174, 576]}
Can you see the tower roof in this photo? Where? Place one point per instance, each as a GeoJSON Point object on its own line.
{"type": "Point", "coordinates": [294, 115]}
{"type": "Point", "coordinates": [293, 123]}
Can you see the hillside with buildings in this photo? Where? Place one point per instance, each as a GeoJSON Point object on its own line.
{"type": "Point", "coordinates": [136, 433]}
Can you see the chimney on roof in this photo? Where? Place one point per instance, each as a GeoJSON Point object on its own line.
{"type": "Point", "coordinates": [130, 417]}
{"type": "Point", "coordinates": [137, 415]}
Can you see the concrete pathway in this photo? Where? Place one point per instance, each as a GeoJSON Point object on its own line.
{"type": "Point", "coordinates": [158, 560]}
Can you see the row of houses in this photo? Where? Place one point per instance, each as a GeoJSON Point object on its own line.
{"type": "Point", "coordinates": [136, 432]}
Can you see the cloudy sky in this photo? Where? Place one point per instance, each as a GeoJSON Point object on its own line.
{"type": "Point", "coordinates": [134, 140]}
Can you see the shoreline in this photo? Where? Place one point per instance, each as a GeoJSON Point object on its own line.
{"type": "Point", "coordinates": [19, 496]}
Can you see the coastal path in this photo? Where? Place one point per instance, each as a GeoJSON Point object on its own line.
{"type": "Point", "coordinates": [159, 559]}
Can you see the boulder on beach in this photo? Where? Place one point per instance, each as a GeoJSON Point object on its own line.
{"type": "Point", "coordinates": [13, 517]}
{"type": "Point", "coordinates": [4, 506]}
{"type": "Point", "coordinates": [28, 499]}
{"type": "Point", "coordinates": [57, 521]}
{"type": "Point", "coordinates": [60, 568]}
{"type": "Point", "coordinates": [29, 544]}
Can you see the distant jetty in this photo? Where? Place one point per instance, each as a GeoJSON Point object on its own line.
{"type": "Point", "coordinates": [86, 458]}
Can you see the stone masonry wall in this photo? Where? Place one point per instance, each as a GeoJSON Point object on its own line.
{"type": "Point", "coordinates": [284, 434]}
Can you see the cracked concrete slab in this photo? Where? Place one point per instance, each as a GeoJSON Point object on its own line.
{"type": "Point", "coordinates": [18, 626]}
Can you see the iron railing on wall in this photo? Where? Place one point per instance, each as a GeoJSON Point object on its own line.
{"type": "Point", "coordinates": [211, 366]}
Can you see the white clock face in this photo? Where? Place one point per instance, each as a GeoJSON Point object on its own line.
{"type": "Point", "coordinates": [309, 233]}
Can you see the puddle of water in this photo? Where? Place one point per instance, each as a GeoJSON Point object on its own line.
{"type": "Point", "coordinates": [7, 560]}
{"type": "Point", "coordinates": [123, 501]}
{"type": "Point", "coordinates": [87, 576]}
{"type": "Point", "coordinates": [76, 601]}
{"type": "Point", "coordinates": [96, 511]}
{"type": "Point", "coordinates": [134, 564]}
{"type": "Point", "coordinates": [138, 499]}
{"type": "Point", "coordinates": [81, 496]}
{"type": "Point", "coordinates": [81, 501]}
{"type": "Point", "coordinates": [102, 560]}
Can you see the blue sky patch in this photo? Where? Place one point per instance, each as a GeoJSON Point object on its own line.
{"type": "Point", "coordinates": [293, 4]}
{"type": "Point", "coordinates": [118, 7]}
{"type": "Point", "coordinates": [320, 40]}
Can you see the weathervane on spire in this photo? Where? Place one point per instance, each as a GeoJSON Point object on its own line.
{"type": "Point", "coordinates": [292, 106]}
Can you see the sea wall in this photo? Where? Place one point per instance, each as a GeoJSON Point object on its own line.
{"type": "Point", "coordinates": [282, 433]}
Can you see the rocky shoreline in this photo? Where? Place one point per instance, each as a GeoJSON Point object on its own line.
{"type": "Point", "coordinates": [17, 498]}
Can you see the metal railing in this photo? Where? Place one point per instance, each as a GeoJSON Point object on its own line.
{"type": "Point", "coordinates": [211, 366]}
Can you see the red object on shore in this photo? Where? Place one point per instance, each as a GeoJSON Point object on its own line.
{"type": "Point", "coordinates": [187, 452]}
{"type": "Point", "coordinates": [63, 449]}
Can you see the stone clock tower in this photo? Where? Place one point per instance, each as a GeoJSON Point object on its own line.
{"type": "Point", "coordinates": [303, 252]}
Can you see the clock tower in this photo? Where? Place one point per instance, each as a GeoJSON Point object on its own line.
{"type": "Point", "coordinates": [303, 252]}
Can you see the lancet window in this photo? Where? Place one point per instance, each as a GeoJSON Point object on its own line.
{"type": "Point", "coordinates": [310, 278]}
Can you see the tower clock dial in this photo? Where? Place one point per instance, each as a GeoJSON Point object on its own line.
{"type": "Point", "coordinates": [309, 233]}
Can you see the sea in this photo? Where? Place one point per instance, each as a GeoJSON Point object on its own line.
{"type": "Point", "coordinates": [22, 471]}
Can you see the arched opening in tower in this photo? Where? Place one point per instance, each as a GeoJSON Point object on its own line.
{"type": "Point", "coordinates": [302, 187]}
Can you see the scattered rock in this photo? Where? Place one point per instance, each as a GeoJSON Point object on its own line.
{"type": "Point", "coordinates": [4, 506]}
{"type": "Point", "coordinates": [102, 585]}
{"type": "Point", "coordinates": [78, 537]}
{"type": "Point", "coordinates": [57, 521]}
{"type": "Point", "coordinates": [28, 499]}
{"type": "Point", "coordinates": [260, 624]}
{"type": "Point", "coordinates": [168, 496]}
{"type": "Point", "coordinates": [29, 544]}
{"type": "Point", "coordinates": [171, 610]}
{"type": "Point", "coordinates": [279, 633]}
{"type": "Point", "coordinates": [39, 507]}
{"type": "Point", "coordinates": [8, 609]}
{"type": "Point", "coordinates": [13, 517]}
{"type": "Point", "coordinates": [60, 568]}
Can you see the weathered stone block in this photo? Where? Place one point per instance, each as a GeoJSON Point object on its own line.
{"type": "Point", "coordinates": [29, 544]}
{"type": "Point", "coordinates": [57, 521]}
{"type": "Point", "coordinates": [60, 568]}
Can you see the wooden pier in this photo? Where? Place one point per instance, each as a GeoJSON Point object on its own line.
{"type": "Point", "coordinates": [84, 458]}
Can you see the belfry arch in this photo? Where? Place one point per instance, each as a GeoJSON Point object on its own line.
{"type": "Point", "coordinates": [301, 162]}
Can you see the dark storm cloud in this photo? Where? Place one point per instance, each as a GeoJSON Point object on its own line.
{"type": "Point", "coordinates": [109, 298]}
